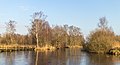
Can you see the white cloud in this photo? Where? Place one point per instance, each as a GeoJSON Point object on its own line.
{"type": "Point", "coordinates": [23, 8]}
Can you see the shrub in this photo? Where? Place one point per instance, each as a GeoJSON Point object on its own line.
{"type": "Point", "coordinates": [100, 40]}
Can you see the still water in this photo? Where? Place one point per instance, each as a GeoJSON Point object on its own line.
{"type": "Point", "coordinates": [58, 57]}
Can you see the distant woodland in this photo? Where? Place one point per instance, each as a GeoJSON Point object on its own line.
{"type": "Point", "coordinates": [41, 34]}
{"type": "Point", "coordinates": [100, 40]}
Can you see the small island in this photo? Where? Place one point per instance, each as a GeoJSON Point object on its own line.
{"type": "Point", "coordinates": [43, 37]}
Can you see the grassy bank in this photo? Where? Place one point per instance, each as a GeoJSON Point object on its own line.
{"type": "Point", "coordinates": [16, 47]}
{"type": "Point", "coordinates": [75, 46]}
{"type": "Point", "coordinates": [9, 48]}
{"type": "Point", "coordinates": [45, 48]}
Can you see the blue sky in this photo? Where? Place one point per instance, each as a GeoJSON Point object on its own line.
{"type": "Point", "coordinates": [82, 13]}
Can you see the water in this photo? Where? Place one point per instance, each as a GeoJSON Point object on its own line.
{"type": "Point", "coordinates": [59, 57]}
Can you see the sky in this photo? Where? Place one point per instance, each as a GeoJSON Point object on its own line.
{"type": "Point", "coordinates": [81, 13]}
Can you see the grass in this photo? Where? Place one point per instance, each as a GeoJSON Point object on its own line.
{"type": "Point", "coordinates": [15, 47]}
{"type": "Point", "coordinates": [47, 47]}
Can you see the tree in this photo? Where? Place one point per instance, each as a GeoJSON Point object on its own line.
{"type": "Point", "coordinates": [103, 23]}
{"type": "Point", "coordinates": [66, 28]}
{"type": "Point", "coordinates": [36, 29]}
{"type": "Point", "coordinates": [75, 36]}
{"type": "Point", "coordinates": [101, 40]}
{"type": "Point", "coordinates": [58, 36]}
{"type": "Point", "coordinates": [10, 30]}
{"type": "Point", "coordinates": [64, 36]}
{"type": "Point", "coordinates": [46, 33]}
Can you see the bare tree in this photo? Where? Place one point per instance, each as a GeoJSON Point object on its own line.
{"type": "Point", "coordinates": [37, 25]}
{"type": "Point", "coordinates": [103, 23]}
{"type": "Point", "coordinates": [10, 29]}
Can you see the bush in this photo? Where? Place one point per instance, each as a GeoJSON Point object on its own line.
{"type": "Point", "coordinates": [100, 40]}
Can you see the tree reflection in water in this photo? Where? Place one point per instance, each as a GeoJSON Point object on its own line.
{"type": "Point", "coordinates": [51, 58]}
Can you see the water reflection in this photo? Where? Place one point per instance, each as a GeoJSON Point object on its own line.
{"type": "Point", "coordinates": [52, 58]}
{"type": "Point", "coordinates": [58, 57]}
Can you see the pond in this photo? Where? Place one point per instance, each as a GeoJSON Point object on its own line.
{"type": "Point", "coordinates": [58, 57]}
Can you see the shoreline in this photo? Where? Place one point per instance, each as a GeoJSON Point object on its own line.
{"type": "Point", "coordinates": [16, 47]}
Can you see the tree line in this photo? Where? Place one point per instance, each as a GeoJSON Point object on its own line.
{"type": "Point", "coordinates": [100, 40]}
{"type": "Point", "coordinates": [42, 34]}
